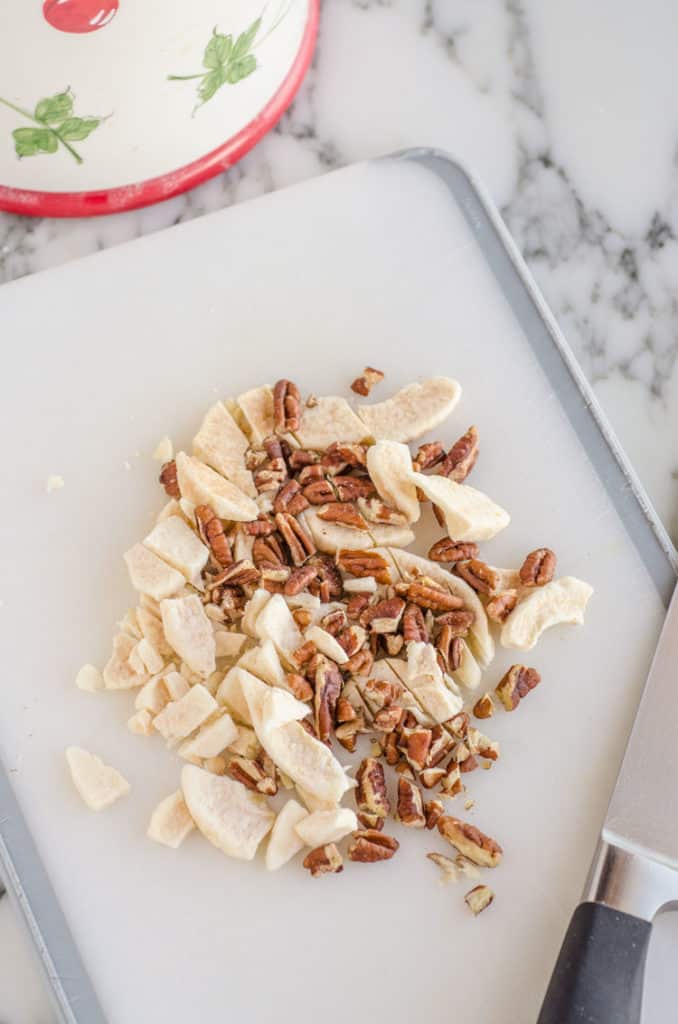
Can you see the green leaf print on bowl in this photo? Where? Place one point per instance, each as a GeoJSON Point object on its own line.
{"type": "Point", "coordinates": [227, 62]}
{"type": "Point", "coordinates": [54, 125]}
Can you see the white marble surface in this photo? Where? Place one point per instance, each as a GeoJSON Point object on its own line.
{"type": "Point", "coordinates": [567, 111]}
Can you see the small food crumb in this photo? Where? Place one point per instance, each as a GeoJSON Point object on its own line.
{"type": "Point", "coordinates": [478, 899]}
{"type": "Point", "coordinates": [89, 678]}
{"type": "Point", "coordinates": [364, 384]}
{"type": "Point", "coordinates": [54, 483]}
{"type": "Point", "coordinates": [469, 804]}
{"type": "Point", "coordinates": [164, 450]}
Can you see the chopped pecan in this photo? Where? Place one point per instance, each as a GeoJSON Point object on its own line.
{"type": "Point", "coordinates": [343, 513]}
{"type": "Point", "coordinates": [538, 568]}
{"type": "Point", "coordinates": [340, 456]}
{"type": "Point", "coordinates": [403, 768]}
{"type": "Point", "coordinates": [428, 456]}
{"type": "Point", "coordinates": [301, 689]}
{"type": "Point", "coordinates": [433, 809]}
{"type": "Point", "coordinates": [168, 479]}
{"type": "Point", "coordinates": [350, 488]}
{"type": "Point", "coordinates": [461, 457]}
{"type": "Point", "coordinates": [391, 752]}
{"type": "Point", "coordinates": [459, 724]}
{"type": "Point", "coordinates": [410, 805]}
{"type": "Point", "coordinates": [430, 777]}
{"type": "Point", "coordinates": [384, 616]}
{"type": "Point", "coordinates": [351, 639]}
{"type": "Point", "coordinates": [364, 384]}
{"type": "Point", "coordinates": [360, 664]}
{"type": "Point", "coordinates": [328, 683]}
{"type": "Point", "coordinates": [211, 530]}
{"type": "Point", "coordinates": [441, 744]}
{"type": "Point", "coordinates": [451, 783]}
{"type": "Point", "coordinates": [267, 551]}
{"type": "Point", "coordinates": [356, 605]}
{"type": "Point", "coordinates": [447, 866]}
{"type": "Point", "coordinates": [319, 492]}
{"type": "Point", "coordinates": [394, 644]}
{"type": "Point", "coordinates": [370, 845]}
{"type": "Point", "coordinates": [450, 649]}
{"type": "Point", "coordinates": [334, 622]}
{"type": "Point", "coordinates": [299, 579]}
{"type": "Point", "coordinates": [427, 594]}
{"type": "Point", "coordinates": [239, 574]}
{"type": "Point", "coordinates": [371, 796]}
{"type": "Point", "coordinates": [290, 499]}
{"type": "Point", "coordinates": [300, 457]}
{"type": "Point", "coordinates": [347, 734]}
{"type": "Point", "coordinates": [458, 621]}
{"type": "Point", "coordinates": [469, 764]}
{"type": "Point", "coordinates": [311, 474]}
{"type": "Point", "coordinates": [375, 511]}
{"type": "Point", "coordinates": [364, 563]}
{"type": "Point", "coordinates": [470, 841]}
{"type": "Point", "coordinates": [252, 775]}
{"type": "Point", "coordinates": [388, 718]}
{"type": "Point", "coordinates": [439, 514]}
{"type": "Point", "coordinates": [482, 577]}
{"type": "Point", "coordinates": [501, 606]}
{"type": "Point", "coordinates": [382, 692]}
{"type": "Point", "coordinates": [448, 550]}
{"type": "Point", "coordinates": [270, 476]}
{"type": "Point", "coordinates": [484, 706]}
{"type": "Point", "coordinates": [371, 821]}
{"type": "Point", "coordinates": [286, 406]}
{"type": "Point", "coordinates": [302, 617]}
{"type": "Point", "coordinates": [414, 626]}
{"type": "Point", "coordinates": [345, 711]}
{"type": "Point", "coordinates": [330, 578]}
{"type": "Point", "coordinates": [415, 744]}
{"type": "Point", "coordinates": [303, 654]}
{"type": "Point", "coordinates": [479, 899]}
{"type": "Point", "coordinates": [516, 684]}
{"type": "Point", "coordinates": [260, 527]}
{"type": "Point", "coordinates": [296, 537]}
{"type": "Point", "coordinates": [324, 860]}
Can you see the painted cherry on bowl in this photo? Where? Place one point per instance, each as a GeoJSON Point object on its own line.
{"type": "Point", "coordinates": [79, 15]}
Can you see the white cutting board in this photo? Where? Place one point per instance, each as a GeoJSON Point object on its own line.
{"type": "Point", "coordinates": [371, 265]}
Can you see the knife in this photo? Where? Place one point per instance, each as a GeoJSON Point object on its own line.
{"type": "Point", "coordinates": [598, 977]}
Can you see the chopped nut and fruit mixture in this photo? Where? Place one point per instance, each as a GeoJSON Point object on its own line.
{"type": "Point", "coordinates": [282, 624]}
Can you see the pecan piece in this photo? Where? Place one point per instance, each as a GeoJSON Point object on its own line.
{"type": "Point", "coordinates": [299, 687]}
{"type": "Point", "coordinates": [433, 809]}
{"type": "Point", "coordinates": [290, 499]}
{"type": "Point", "coordinates": [352, 639]}
{"type": "Point", "coordinates": [270, 476]}
{"type": "Point", "coordinates": [300, 457]}
{"type": "Point", "coordinates": [430, 777]}
{"type": "Point", "coordinates": [371, 821]}
{"type": "Point", "coordinates": [459, 724]}
{"type": "Point", "coordinates": [384, 616]}
{"type": "Point", "coordinates": [538, 568]}
{"type": "Point", "coordinates": [343, 513]}
{"type": "Point", "coordinates": [414, 626]}
{"type": "Point", "coordinates": [394, 644]}
{"type": "Point", "coordinates": [299, 579]}
{"type": "Point", "coordinates": [451, 783]}
{"type": "Point", "coordinates": [501, 606]}
{"type": "Point", "coordinates": [478, 899]}
{"type": "Point", "coordinates": [459, 622]}
{"type": "Point", "coordinates": [311, 474]}
{"type": "Point", "coordinates": [328, 683]}
{"type": "Point", "coordinates": [286, 406]}
{"type": "Point", "coordinates": [415, 744]}
{"type": "Point", "coordinates": [410, 805]}
{"type": "Point", "coordinates": [370, 795]}
{"type": "Point", "coordinates": [345, 711]}
{"type": "Point", "coordinates": [450, 649]}
{"type": "Point", "coordinates": [388, 718]}
{"type": "Point", "coordinates": [356, 605]}
{"type": "Point", "coordinates": [484, 706]}
{"type": "Point", "coordinates": [303, 654]}
{"type": "Point", "coordinates": [383, 692]}
{"type": "Point", "coordinates": [461, 457]}
{"type": "Point", "coordinates": [211, 530]}
{"type": "Point", "coordinates": [427, 594]}
{"type": "Point", "coordinates": [340, 456]}
{"type": "Point", "coordinates": [374, 510]}
{"type": "Point", "coordinates": [364, 563]}
{"type": "Point", "coordinates": [319, 492]}
{"type": "Point", "coordinates": [334, 622]}
{"type": "Point", "coordinates": [168, 479]}
{"type": "Point", "coordinates": [370, 845]}
{"type": "Point", "coordinates": [482, 577]}
{"type": "Point", "coordinates": [296, 537]}
{"type": "Point", "coordinates": [391, 752]}
{"type": "Point", "coordinates": [363, 385]}
{"type": "Point", "coordinates": [239, 574]}
{"type": "Point", "coordinates": [252, 775]}
{"type": "Point", "coordinates": [331, 583]}
{"type": "Point", "coordinates": [324, 860]}
{"type": "Point", "coordinates": [267, 552]}
{"type": "Point", "coordinates": [448, 868]}
{"type": "Point", "coordinates": [428, 456]}
{"type": "Point", "coordinates": [360, 664]}
{"type": "Point", "coordinates": [260, 527]}
{"type": "Point", "coordinates": [516, 684]}
{"type": "Point", "coordinates": [441, 744]}
{"type": "Point", "coordinates": [448, 550]}
{"type": "Point", "coordinates": [350, 488]}
{"type": "Point", "coordinates": [470, 842]}
{"type": "Point", "coordinates": [347, 733]}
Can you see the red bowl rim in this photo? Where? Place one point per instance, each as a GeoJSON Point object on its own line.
{"type": "Point", "coordinates": [130, 197]}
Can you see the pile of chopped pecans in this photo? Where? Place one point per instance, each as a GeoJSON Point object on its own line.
{"type": "Point", "coordinates": [280, 616]}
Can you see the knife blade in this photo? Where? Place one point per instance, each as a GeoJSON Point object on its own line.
{"type": "Point", "coordinates": [598, 976]}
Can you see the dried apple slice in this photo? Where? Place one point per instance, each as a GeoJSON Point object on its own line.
{"type": "Point", "coordinates": [176, 543]}
{"type": "Point", "coordinates": [469, 514]}
{"type": "Point", "coordinates": [118, 673]}
{"type": "Point", "coordinates": [98, 784]}
{"type": "Point", "coordinates": [212, 738]}
{"type": "Point", "coordinates": [284, 842]}
{"type": "Point", "coordinates": [389, 464]}
{"type": "Point", "coordinates": [190, 633]}
{"type": "Point", "coordinates": [170, 822]}
{"type": "Point", "coordinates": [331, 419]}
{"type": "Point", "coordinates": [327, 826]}
{"type": "Point", "coordinates": [179, 718]}
{"type": "Point", "coordinates": [222, 445]}
{"type": "Point", "coordinates": [231, 817]}
{"type": "Point", "coordinates": [151, 575]}
{"type": "Point", "coordinates": [412, 411]}
{"type": "Point", "coordinates": [202, 486]}
{"type": "Point", "coordinates": [562, 601]}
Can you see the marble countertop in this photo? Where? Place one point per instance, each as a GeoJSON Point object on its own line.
{"type": "Point", "coordinates": [566, 111]}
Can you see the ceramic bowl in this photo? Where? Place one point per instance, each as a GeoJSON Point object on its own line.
{"type": "Point", "coordinates": [108, 105]}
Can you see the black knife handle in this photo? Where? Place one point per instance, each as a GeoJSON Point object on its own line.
{"type": "Point", "coordinates": [598, 977]}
